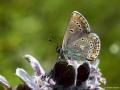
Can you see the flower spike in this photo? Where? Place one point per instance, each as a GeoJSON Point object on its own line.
{"type": "Point", "coordinates": [22, 74]}
{"type": "Point", "coordinates": [5, 83]}
{"type": "Point", "coordinates": [35, 65]}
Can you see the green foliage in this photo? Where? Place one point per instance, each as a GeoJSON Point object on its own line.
{"type": "Point", "coordinates": [37, 27]}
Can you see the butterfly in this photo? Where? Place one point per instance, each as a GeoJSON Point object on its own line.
{"type": "Point", "coordinates": [79, 42]}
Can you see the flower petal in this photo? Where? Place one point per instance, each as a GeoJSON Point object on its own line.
{"type": "Point", "coordinates": [35, 65]}
{"type": "Point", "coordinates": [26, 78]}
{"type": "Point", "coordinates": [96, 63]}
{"type": "Point", "coordinates": [4, 82]}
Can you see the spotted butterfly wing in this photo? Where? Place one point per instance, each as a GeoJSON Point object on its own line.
{"type": "Point", "coordinates": [77, 27]}
{"type": "Point", "coordinates": [79, 43]}
{"type": "Point", "coordinates": [87, 47]}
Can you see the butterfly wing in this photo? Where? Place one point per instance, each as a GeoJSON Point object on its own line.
{"type": "Point", "coordinates": [77, 27]}
{"type": "Point", "coordinates": [86, 47]}
{"type": "Point", "coordinates": [94, 43]}
{"type": "Point", "coordinates": [79, 43]}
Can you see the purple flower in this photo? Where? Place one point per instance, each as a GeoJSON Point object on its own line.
{"type": "Point", "coordinates": [39, 80]}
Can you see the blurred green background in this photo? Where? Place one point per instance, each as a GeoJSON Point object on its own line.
{"type": "Point", "coordinates": [37, 27]}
